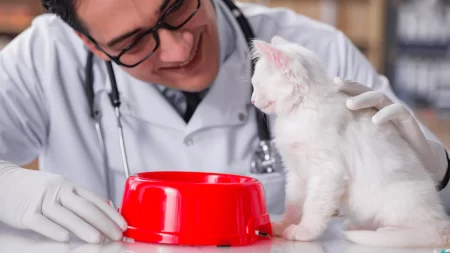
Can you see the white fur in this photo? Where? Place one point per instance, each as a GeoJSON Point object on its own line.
{"type": "Point", "coordinates": [338, 159]}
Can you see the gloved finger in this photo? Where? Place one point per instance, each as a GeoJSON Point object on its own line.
{"type": "Point", "coordinates": [410, 130]}
{"type": "Point", "coordinates": [350, 87]}
{"type": "Point", "coordinates": [91, 214]}
{"type": "Point", "coordinates": [72, 222]}
{"type": "Point", "coordinates": [47, 228]}
{"type": "Point", "coordinates": [415, 137]}
{"type": "Point", "coordinates": [370, 99]}
{"type": "Point", "coordinates": [391, 112]}
{"type": "Point", "coordinates": [103, 206]}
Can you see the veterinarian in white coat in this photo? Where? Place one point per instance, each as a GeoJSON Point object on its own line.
{"type": "Point", "coordinates": [44, 111]}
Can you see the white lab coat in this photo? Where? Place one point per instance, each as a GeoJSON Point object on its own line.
{"type": "Point", "coordinates": [44, 111]}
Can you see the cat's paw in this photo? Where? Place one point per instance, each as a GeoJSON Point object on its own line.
{"type": "Point", "coordinates": [278, 228]}
{"type": "Point", "coordinates": [301, 233]}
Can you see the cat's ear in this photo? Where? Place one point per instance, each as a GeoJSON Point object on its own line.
{"type": "Point", "coordinates": [277, 57]}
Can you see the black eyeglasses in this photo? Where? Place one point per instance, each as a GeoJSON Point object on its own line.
{"type": "Point", "coordinates": [175, 17]}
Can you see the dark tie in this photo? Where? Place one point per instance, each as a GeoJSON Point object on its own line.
{"type": "Point", "coordinates": [192, 101]}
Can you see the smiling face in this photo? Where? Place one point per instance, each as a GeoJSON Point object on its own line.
{"type": "Point", "coordinates": [186, 59]}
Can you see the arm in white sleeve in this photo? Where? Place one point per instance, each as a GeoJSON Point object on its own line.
{"type": "Point", "coordinates": [46, 203]}
{"type": "Point", "coordinates": [23, 112]}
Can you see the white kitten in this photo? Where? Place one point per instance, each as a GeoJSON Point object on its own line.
{"type": "Point", "coordinates": [338, 159]}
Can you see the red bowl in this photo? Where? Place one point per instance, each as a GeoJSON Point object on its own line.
{"type": "Point", "coordinates": [195, 208]}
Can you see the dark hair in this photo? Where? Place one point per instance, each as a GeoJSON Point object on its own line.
{"type": "Point", "coordinates": [66, 10]}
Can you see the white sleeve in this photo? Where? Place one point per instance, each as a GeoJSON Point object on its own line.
{"type": "Point", "coordinates": [23, 112]}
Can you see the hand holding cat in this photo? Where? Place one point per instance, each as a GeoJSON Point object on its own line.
{"type": "Point", "coordinates": [431, 153]}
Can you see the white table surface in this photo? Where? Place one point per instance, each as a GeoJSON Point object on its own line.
{"type": "Point", "coordinates": [17, 241]}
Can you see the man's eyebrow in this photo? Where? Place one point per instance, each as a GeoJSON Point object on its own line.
{"type": "Point", "coordinates": [122, 37]}
{"type": "Point", "coordinates": [129, 34]}
{"type": "Point", "coordinates": [164, 5]}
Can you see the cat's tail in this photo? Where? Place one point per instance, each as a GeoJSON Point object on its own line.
{"type": "Point", "coordinates": [431, 236]}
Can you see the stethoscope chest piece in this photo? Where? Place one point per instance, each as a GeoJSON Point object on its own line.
{"type": "Point", "coordinates": [264, 159]}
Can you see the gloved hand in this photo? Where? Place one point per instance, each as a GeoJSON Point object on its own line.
{"type": "Point", "coordinates": [432, 154]}
{"type": "Point", "coordinates": [51, 206]}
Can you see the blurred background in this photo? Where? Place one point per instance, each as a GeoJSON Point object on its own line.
{"type": "Point", "coordinates": [406, 40]}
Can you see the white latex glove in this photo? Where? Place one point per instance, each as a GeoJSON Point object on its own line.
{"type": "Point", "coordinates": [432, 154]}
{"type": "Point", "coordinates": [51, 206]}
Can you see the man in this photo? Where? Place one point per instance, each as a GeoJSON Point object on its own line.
{"type": "Point", "coordinates": [168, 56]}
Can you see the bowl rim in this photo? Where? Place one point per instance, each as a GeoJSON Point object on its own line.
{"type": "Point", "coordinates": [139, 177]}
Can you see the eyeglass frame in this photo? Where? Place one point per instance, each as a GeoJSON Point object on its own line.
{"type": "Point", "coordinates": [153, 31]}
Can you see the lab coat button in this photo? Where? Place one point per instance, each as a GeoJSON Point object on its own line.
{"type": "Point", "coordinates": [241, 117]}
{"type": "Point", "coordinates": [189, 142]}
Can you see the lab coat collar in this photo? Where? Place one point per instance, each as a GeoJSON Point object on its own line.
{"type": "Point", "coordinates": [143, 101]}
{"type": "Point", "coordinates": [226, 102]}
{"type": "Point", "coordinates": [228, 99]}
{"type": "Point", "coordinates": [226, 49]}
{"type": "Point", "coordinates": [227, 46]}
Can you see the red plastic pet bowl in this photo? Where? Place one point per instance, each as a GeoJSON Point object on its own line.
{"type": "Point", "coordinates": [195, 208]}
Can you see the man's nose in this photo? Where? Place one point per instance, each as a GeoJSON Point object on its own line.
{"type": "Point", "coordinates": [175, 46]}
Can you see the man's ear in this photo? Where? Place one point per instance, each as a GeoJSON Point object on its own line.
{"type": "Point", "coordinates": [275, 56]}
{"type": "Point", "coordinates": [92, 47]}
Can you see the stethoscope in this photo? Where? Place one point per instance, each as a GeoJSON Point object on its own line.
{"type": "Point", "coordinates": [263, 160]}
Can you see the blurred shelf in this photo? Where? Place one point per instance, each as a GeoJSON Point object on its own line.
{"type": "Point", "coordinates": [14, 30]}
{"type": "Point", "coordinates": [363, 21]}
{"type": "Point", "coordinates": [437, 122]}
{"type": "Point", "coordinates": [418, 44]}
{"type": "Point", "coordinates": [17, 15]}
{"type": "Point", "coordinates": [310, 8]}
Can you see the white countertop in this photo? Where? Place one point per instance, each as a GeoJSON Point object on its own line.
{"type": "Point", "coordinates": [16, 241]}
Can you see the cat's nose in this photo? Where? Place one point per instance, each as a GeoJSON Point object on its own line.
{"type": "Point", "coordinates": [253, 101]}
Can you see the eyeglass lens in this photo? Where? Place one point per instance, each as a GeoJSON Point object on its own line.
{"type": "Point", "coordinates": [145, 45]}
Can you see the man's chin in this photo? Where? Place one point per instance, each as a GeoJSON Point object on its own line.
{"type": "Point", "coordinates": [193, 87]}
{"type": "Point", "coordinates": [193, 83]}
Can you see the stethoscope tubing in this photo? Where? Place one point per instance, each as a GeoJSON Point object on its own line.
{"type": "Point", "coordinates": [115, 101]}
{"type": "Point", "coordinates": [262, 121]}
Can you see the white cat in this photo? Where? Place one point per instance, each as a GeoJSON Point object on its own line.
{"type": "Point", "coordinates": [338, 159]}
